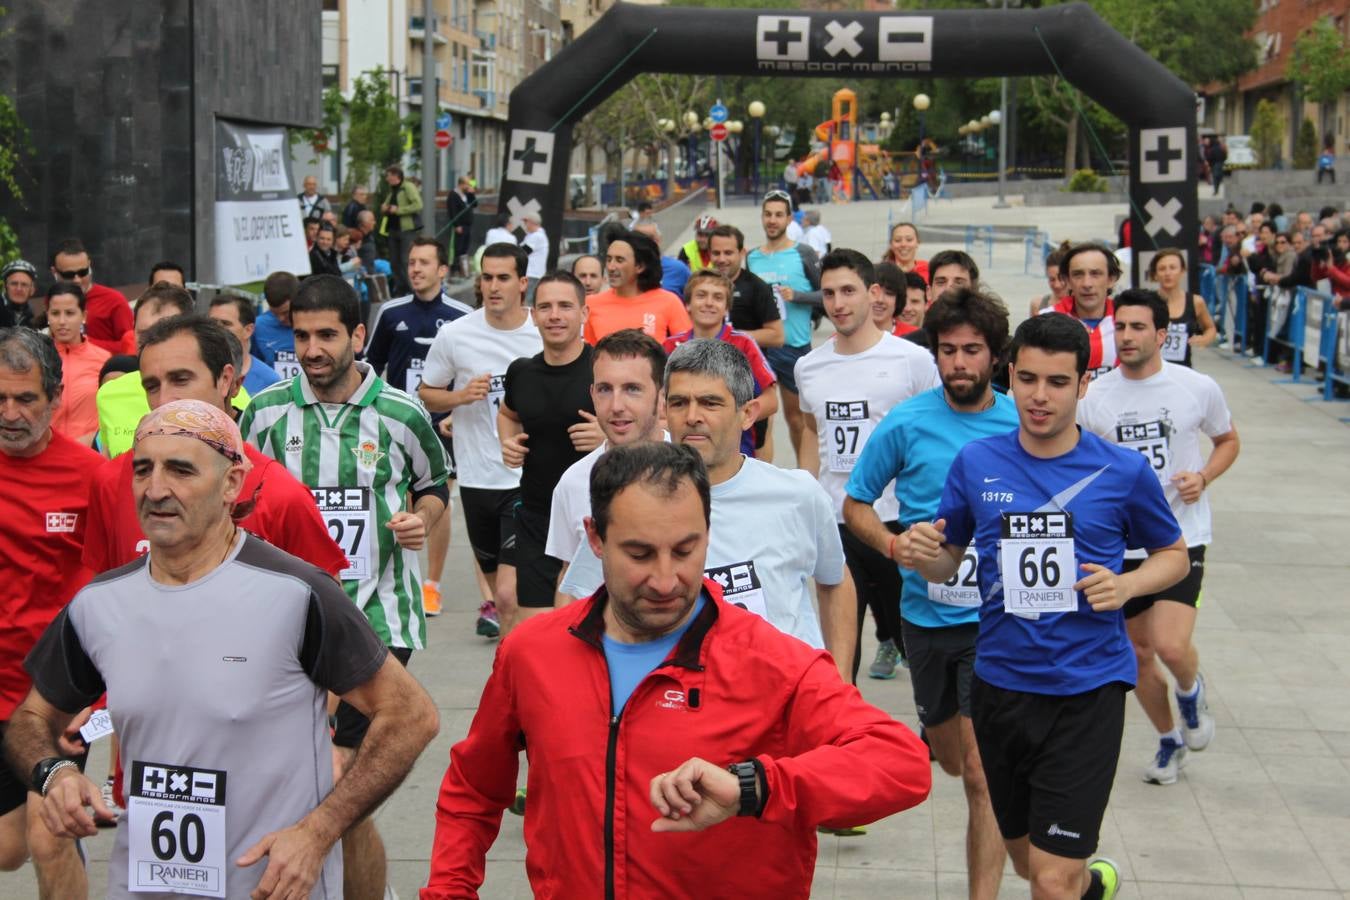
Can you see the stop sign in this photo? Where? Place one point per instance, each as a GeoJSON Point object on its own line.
{"type": "Point", "coordinates": [443, 139]}
{"type": "Point", "coordinates": [718, 132]}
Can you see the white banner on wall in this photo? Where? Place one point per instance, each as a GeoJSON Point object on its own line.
{"type": "Point", "coordinates": [258, 227]}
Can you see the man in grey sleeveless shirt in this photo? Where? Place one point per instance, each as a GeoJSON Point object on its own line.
{"type": "Point", "coordinates": [216, 651]}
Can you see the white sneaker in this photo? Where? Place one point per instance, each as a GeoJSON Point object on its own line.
{"type": "Point", "coordinates": [1167, 762]}
{"type": "Point", "coordinates": [1197, 725]}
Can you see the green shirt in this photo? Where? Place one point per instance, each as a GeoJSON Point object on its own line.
{"type": "Point", "coordinates": [360, 458]}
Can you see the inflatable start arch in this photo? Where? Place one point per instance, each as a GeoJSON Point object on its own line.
{"type": "Point", "coordinates": [1157, 107]}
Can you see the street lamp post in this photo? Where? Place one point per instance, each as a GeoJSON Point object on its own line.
{"type": "Point", "coordinates": [757, 110]}
{"type": "Point", "coordinates": [996, 118]}
{"type": "Point", "coordinates": [691, 125]}
{"type": "Point", "coordinates": [921, 104]}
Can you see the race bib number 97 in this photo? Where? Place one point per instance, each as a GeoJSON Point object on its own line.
{"type": "Point", "coordinates": [847, 428]}
{"type": "Point", "coordinates": [1036, 556]}
{"type": "Point", "coordinates": [176, 836]}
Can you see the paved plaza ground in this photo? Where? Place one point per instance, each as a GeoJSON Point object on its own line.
{"type": "Point", "coordinates": [1263, 813]}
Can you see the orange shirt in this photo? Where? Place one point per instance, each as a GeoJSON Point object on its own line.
{"type": "Point", "coordinates": [658, 312]}
{"type": "Point", "coordinates": [77, 415]}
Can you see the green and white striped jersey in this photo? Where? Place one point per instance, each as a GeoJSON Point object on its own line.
{"type": "Point", "coordinates": [360, 458]}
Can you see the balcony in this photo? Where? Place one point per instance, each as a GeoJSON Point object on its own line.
{"type": "Point", "coordinates": [487, 45]}
{"type": "Point", "coordinates": [488, 99]}
{"type": "Point", "coordinates": [417, 29]}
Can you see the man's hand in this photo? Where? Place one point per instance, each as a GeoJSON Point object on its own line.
{"type": "Point", "coordinates": [786, 293]}
{"type": "Point", "coordinates": [586, 434]}
{"type": "Point", "coordinates": [71, 742]}
{"type": "Point", "coordinates": [477, 389]}
{"type": "Point", "coordinates": [1190, 485]}
{"type": "Point", "coordinates": [408, 528]}
{"type": "Point", "coordinates": [514, 450]}
{"type": "Point", "coordinates": [446, 427]}
{"type": "Point", "coordinates": [63, 809]}
{"type": "Point", "coordinates": [1102, 589]}
{"type": "Point", "coordinates": [295, 856]}
{"type": "Point", "coordinates": [695, 796]}
{"type": "Point", "coordinates": [920, 543]}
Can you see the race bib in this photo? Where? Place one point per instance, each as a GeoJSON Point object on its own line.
{"type": "Point", "coordinates": [1037, 559]}
{"type": "Point", "coordinates": [1174, 347]}
{"type": "Point", "coordinates": [741, 586]}
{"type": "Point", "coordinates": [176, 837]}
{"type": "Point", "coordinates": [1150, 439]}
{"type": "Point", "coordinates": [963, 588]}
{"type": "Point", "coordinates": [286, 364]}
{"type": "Point", "coordinates": [414, 378]}
{"type": "Point", "coordinates": [349, 515]}
{"type": "Point", "coordinates": [847, 428]}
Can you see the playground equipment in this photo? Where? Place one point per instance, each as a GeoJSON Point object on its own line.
{"type": "Point", "coordinates": [860, 166]}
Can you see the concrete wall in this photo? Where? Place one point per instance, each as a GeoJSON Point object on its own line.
{"type": "Point", "coordinates": [119, 100]}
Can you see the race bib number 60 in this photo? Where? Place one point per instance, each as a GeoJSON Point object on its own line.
{"type": "Point", "coordinates": [176, 822]}
{"type": "Point", "coordinates": [1037, 559]}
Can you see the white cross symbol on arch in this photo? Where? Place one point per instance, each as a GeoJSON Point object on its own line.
{"type": "Point", "coordinates": [843, 38]}
{"type": "Point", "coordinates": [519, 210]}
{"type": "Point", "coordinates": [1163, 217]}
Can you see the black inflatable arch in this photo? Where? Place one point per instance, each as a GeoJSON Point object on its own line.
{"type": "Point", "coordinates": [1158, 107]}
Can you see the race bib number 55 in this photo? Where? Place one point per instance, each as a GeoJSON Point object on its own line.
{"type": "Point", "coordinates": [176, 838]}
{"type": "Point", "coordinates": [1037, 559]}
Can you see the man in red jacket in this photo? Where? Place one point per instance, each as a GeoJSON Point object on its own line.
{"type": "Point", "coordinates": [107, 312]}
{"type": "Point", "coordinates": [656, 706]}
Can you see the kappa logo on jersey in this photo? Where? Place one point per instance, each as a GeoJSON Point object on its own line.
{"type": "Point", "coordinates": [367, 454]}
{"type": "Point", "coordinates": [295, 443]}
{"type": "Point", "coordinates": [62, 522]}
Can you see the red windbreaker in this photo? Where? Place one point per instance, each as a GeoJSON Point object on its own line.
{"type": "Point", "coordinates": [734, 688]}
{"type": "Point", "coordinates": [1101, 338]}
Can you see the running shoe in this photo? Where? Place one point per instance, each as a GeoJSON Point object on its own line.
{"type": "Point", "coordinates": [431, 598]}
{"type": "Point", "coordinates": [518, 805]}
{"type": "Point", "coordinates": [106, 792]}
{"type": "Point", "coordinates": [1108, 873]}
{"type": "Point", "coordinates": [489, 626]}
{"type": "Point", "coordinates": [1166, 763]}
{"type": "Point", "coordinates": [884, 665]}
{"type": "Point", "coordinates": [853, 831]}
{"type": "Point", "coordinates": [1197, 725]}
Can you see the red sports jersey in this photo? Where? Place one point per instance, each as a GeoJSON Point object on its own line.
{"type": "Point", "coordinates": [1101, 338]}
{"type": "Point", "coordinates": [903, 328]}
{"type": "Point", "coordinates": [743, 342]}
{"type": "Point", "coordinates": [285, 516]}
{"type": "Point", "coordinates": [43, 512]}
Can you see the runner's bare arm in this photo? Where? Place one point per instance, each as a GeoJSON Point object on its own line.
{"type": "Point", "coordinates": [771, 335]}
{"type": "Point", "coordinates": [511, 434]}
{"type": "Point", "coordinates": [809, 456]}
{"type": "Point", "coordinates": [924, 549]}
{"type": "Point", "coordinates": [862, 519]}
{"type": "Point", "coordinates": [31, 736]}
{"type": "Point", "coordinates": [839, 621]}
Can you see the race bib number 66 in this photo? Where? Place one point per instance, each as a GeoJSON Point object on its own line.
{"type": "Point", "coordinates": [1036, 556]}
{"type": "Point", "coordinates": [176, 841]}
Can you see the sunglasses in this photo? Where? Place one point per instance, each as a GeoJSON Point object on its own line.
{"type": "Point", "coordinates": [777, 195]}
{"type": "Point", "coordinates": [73, 273]}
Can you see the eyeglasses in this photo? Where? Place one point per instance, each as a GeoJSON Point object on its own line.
{"type": "Point", "coordinates": [778, 195]}
{"type": "Point", "coordinates": [73, 273]}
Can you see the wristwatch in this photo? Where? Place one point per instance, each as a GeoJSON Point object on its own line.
{"type": "Point", "coordinates": [45, 769]}
{"type": "Point", "coordinates": [750, 775]}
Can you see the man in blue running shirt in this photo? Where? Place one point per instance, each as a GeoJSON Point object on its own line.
{"type": "Point", "coordinates": [914, 447]}
{"type": "Point", "coordinates": [1051, 510]}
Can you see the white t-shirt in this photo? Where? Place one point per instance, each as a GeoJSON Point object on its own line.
{"type": "Point", "coordinates": [537, 243]}
{"type": "Point", "coordinates": [849, 395]}
{"type": "Point", "coordinates": [772, 532]}
{"type": "Point", "coordinates": [794, 231]}
{"type": "Point", "coordinates": [572, 504]}
{"type": "Point", "coordinates": [818, 237]}
{"type": "Point", "coordinates": [499, 236]}
{"type": "Point", "coordinates": [463, 350]}
{"type": "Point", "coordinates": [1162, 416]}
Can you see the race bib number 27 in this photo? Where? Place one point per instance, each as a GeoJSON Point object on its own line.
{"type": "Point", "coordinates": [1036, 556]}
{"type": "Point", "coordinates": [349, 515]}
{"type": "Point", "coordinates": [176, 837]}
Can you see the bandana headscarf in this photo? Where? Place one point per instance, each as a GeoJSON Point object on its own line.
{"type": "Point", "coordinates": [195, 419]}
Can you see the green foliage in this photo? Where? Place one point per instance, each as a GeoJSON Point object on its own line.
{"type": "Point", "coordinates": [374, 132]}
{"type": "Point", "coordinates": [14, 146]}
{"type": "Point", "coordinates": [334, 107]}
{"type": "Point", "coordinates": [1086, 181]}
{"type": "Point", "coordinates": [1267, 133]}
{"type": "Point", "coordinates": [1305, 148]}
{"type": "Point", "coordinates": [1320, 63]}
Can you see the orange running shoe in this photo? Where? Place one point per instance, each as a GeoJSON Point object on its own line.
{"type": "Point", "coordinates": [431, 598]}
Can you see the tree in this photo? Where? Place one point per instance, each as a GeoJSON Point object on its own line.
{"type": "Point", "coordinates": [374, 135]}
{"type": "Point", "coordinates": [322, 140]}
{"type": "Point", "coordinates": [1267, 133]}
{"type": "Point", "coordinates": [14, 146]}
{"type": "Point", "coordinates": [1320, 63]}
{"type": "Point", "coordinates": [1305, 148]}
